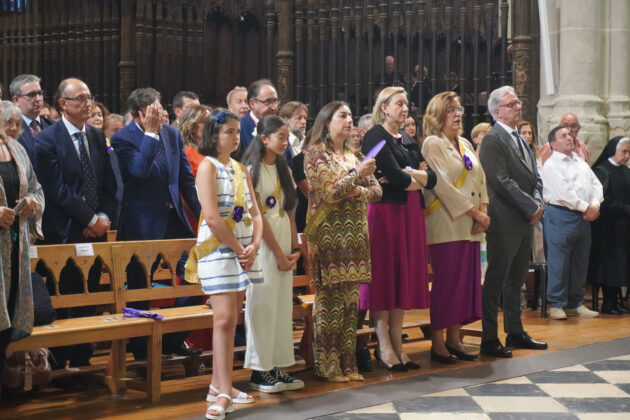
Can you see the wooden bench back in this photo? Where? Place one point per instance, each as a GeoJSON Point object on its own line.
{"type": "Point", "coordinates": [54, 259]}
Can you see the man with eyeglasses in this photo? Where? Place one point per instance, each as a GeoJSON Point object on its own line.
{"type": "Point", "coordinates": [80, 191]}
{"type": "Point", "coordinates": [262, 98]}
{"type": "Point", "coordinates": [570, 122]}
{"type": "Point", "coordinates": [515, 192]}
{"type": "Point", "coordinates": [27, 94]}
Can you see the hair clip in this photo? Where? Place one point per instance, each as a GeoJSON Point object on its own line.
{"type": "Point", "coordinates": [220, 118]}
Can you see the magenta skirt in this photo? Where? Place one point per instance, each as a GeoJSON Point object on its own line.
{"type": "Point", "coordinates": [456, 288]}
{"type": "Point", "coordinates": [398, 249]}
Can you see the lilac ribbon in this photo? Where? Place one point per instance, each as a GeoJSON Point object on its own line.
{"type": "Point", "coordinates": [136, 313]}
{"type": "Point", "coordinates": [270, 201]}
{"type": "Point", "coordinates": [467, 162]}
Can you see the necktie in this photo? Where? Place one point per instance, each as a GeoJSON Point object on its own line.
{"type": "Point", "coordinates": [35, 126]}
{"type": "Point", "coordinates": [89, 180]}
{"type": "Point", "coordinates": [521, 146]}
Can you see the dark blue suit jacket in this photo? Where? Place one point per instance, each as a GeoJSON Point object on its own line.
{"type": "Point", "coordinates": [27, 139]}
{"type": "Point", "coordinates": [59, 172]}
{"type": "Point", "coordinates": [247, 127]}
{"type": "Point", "coordinates": [148, 190]}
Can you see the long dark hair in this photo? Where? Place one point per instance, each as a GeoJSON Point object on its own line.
{"type": "Point", "coordinates": [256, 151]}
{"type": "Point", "coordinates": [320, 126]}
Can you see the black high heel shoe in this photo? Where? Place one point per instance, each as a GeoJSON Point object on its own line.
{"type": "Point", "coordinates": [446, 360]}
{"type": "Point", "coordinates": [461, 355]}
{"type": "Point", "coordinates": [398, 367]}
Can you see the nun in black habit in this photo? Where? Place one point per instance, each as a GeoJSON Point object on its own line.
{"type": "Point", "coordinates": [609, 265]}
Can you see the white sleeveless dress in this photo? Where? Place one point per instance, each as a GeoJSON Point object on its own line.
{"type": "Point", "coordinates": [220, 271]}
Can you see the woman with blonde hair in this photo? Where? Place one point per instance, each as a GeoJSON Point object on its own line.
{"type": "Point", "coordinates": [456, 218]}
{"type": "Point", "coordinates": [341, 184]}
{"type": "Point", "coordinates": [398, 245]}
{"type": "Point", "coordinates": [191, 126]}
{"type": "Point", "coordinates": [98, 113]}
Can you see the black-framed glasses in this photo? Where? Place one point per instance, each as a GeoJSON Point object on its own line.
{"type": "Point", "coordinates": [82, 99]}
{"type": "Point", "coordinates": [32, 95]}
{"type": "Point", "coordinates": [268, 102]}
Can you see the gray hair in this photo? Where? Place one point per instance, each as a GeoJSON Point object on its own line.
{"type": "Point", "coordinates": [10, 110]}
{"type": "Point", "coordinates": [622, 142]}
{"type": "Point", "coordinates": [140, 98]}
{"type": "Point", "coordinates": [15, 88]}
{"type": "Point", "coordinates": [494, 100]}
{"type": "Point", "coordinates": [364, 122]}
{"type": "Point", "coordinates": [233, 91]}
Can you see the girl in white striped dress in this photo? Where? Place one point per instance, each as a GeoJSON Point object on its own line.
{"type": "Point", "coordinates": [228, 241]}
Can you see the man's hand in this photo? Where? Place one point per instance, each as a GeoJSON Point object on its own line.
{"type": "Point", "coordinates": [151, 121]}
{"type": "Point", "coordinates": [591, 213]}
{"type": "Point", "coordinates": [536, 217]}
{"type": "Point", "coordinates": [28, 208]}
{"type": "Point", "coordinates": [97, 230]}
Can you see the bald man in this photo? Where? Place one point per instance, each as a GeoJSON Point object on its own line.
{"type": "Point", "coordinates": [570, 122]}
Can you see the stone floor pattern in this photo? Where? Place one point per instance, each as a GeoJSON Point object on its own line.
{"type": "Point", "coordinates": [591, 391]}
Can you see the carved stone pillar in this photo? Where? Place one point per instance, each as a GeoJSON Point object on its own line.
{"type": "Point", "coordinates": [285, 55]}
{"type": "Point", "coordinates": [522, 55]}
{"type": "Point", "coordinates": [618, 96]}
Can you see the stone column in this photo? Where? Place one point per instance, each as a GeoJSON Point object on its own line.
{"type": "Point", "coordinates": [581, 70]}
{"type": "Point", "coordinates": [522, 59]}
{"type": "Point", "coordinates": [618, 95]}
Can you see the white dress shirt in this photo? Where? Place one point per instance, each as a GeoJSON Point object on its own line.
{"type": "Point", "coordinates": [520, 144]}
{"type": "Point", "coordinates": [568, 181]}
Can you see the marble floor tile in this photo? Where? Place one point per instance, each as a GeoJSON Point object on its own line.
{"type": "Point", "coordinates": [506, 390]}
{"type": "Point", "coordinates": [583, 391]}
{"type": "Point", "coordinates": [438, 404]}
{"type": "Point", "coordinates": [459, 392]}
{"type": "Point", "coordinates": [387, 408]}
{"type": "Point", "coordinates": [597, 405]}
{"type": "Point", "coordinates": [533, 416]}
{"type": "Point", "coordinates": [565, 378]}
{"type": "Point", "coordinates": [520, 404]}
{"type": "Point", "coordinates": [519, 380]}
{"type": "Point", "coordinates": [574, 368]}
{"type": "Point", "coordinates": [614, 376]}
{"type": "Point", "coordinates": [603, 416]}
{"type": "Point", "coordinates": [609, 365]}
{"type": "Point", "coordinates": [442, 416]}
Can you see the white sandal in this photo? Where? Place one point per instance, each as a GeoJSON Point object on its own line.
{"type": "Point", "coordinates": [219, 409]}
{"type": "Point", "coordinates": [242, 397]}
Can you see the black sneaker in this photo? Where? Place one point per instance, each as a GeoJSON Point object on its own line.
{"type": "Point", "coordinates": [266, 382]}
{"type": "Point", "coordinates": [290, 383]}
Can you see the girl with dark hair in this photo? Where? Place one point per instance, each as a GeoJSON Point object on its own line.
{"type": "Point", "coordinates": [341, 185]}
{"type": "Point", "coordinates": [269, 305]}
{"type": "Point", "coordinates": [225, 257]}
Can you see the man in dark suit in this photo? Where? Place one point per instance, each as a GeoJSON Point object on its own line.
{"type": "Point", "coordinates": [75, 172]}
{"type": "Point", "coordinates": [515, 191]}
{"type": "Point", "coordinates": [156, 176]}
{"type": "Point", "coordinates": [262, 99]}
{"type": "Point", "coordinates": [27, 94]}
{"type": "Point", "coordinates": [155, 170]}
{"type": "Point", "coordinates": [80, 190]}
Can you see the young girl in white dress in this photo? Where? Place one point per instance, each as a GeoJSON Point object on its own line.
{"type": "Point", "coordinates": [269, 305]}
{"type": "Point", "coordinates": [225, 259]}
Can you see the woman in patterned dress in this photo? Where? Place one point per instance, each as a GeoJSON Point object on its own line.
{"type": "Point", "coordinates": [224, 258]}
{"type": "Point", "coordinates": [339, 248]}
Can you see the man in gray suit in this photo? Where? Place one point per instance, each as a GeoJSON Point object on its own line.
{"type": "Point", "coordinates": [515, 191]}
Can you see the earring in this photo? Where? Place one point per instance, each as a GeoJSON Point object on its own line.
{"type": "Point", "coordinates": [327, 137]}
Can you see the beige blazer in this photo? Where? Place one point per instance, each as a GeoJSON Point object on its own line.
{"type": "Point", "coordinates": [450, 222]}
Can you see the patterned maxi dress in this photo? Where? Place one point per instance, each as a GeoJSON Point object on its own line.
{"type": "Point", "coordinates": [220, 271]}
{"type": "Point", "coordinates": [339, 254]}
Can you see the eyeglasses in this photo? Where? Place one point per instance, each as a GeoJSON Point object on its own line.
{"type": "Point", "coordinates": [268, 102]}
{"type": "Point", "coordinates": [455, 110]}
{"type": "Point", "coordinates": [81, 99]}
{"type": "Point", "coordinates": [512, 104]}
{"type": "Point", "coordinates": [574, 126]}
{"type": "Point", "coordinates": [32, 95]}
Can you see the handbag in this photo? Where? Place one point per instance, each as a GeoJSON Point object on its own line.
{"type": "Point", "coordinates": [26, 369]}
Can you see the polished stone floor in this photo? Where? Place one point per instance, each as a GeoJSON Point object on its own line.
{"type": "Point", "coordinates": [597, 390]}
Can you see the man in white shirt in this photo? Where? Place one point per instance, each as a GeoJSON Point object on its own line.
{"type": "Point", "coordinates": [573, 194]}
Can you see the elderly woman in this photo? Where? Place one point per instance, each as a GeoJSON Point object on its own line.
{"type": "Point", "coordinates": [337, 234]}
{"type": "Point", "coordinates": [11, 119]}
{"type": "Point", "coordinates": [610, 246]}
{"type": "Point", "coordinates": [191, 126]}
{"type": "Point", "coordinates": [397, 232]}
{"type": "Point", "coordinates": [456, 218]}
{"type": "Point", "coordinates": [21, 208]}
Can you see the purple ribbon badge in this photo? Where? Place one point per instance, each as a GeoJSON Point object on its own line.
{"type": "Point", "coordinates": [237, 214]}
{"type": "Point", "coordinates": [467, 162]}
{"type": "Point", "coordinates": [271, 201]}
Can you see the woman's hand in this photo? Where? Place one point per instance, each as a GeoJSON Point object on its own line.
{"type": "Point", "coordinates": [247, 257]}
{"type": "Point", "coordinates": [28, 208]}
{"type": "Point", "coordinates": [423, 166]}
{"type": "Point", "coordinates": [7, 217]}
{"type": "Point", "coordinates": [366, 168]}
{"type": "Point", "coordinates": [285, 262]}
